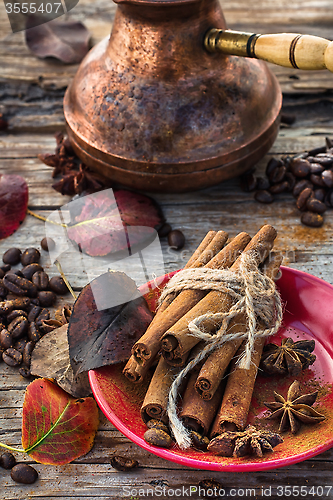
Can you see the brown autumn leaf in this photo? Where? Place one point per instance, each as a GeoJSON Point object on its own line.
{"type": "Point", "coordinates": [66, 41]}
{"type": "Point", "coordinates": [100, 333]}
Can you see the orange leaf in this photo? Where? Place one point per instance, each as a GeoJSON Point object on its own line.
{"type": "Point", "coordinates": [57, 428]}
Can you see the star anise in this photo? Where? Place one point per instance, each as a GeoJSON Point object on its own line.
{"type": "Point", "coordinates": [289, 357]}
{"type": "Point", "coordinates": [293, 410]}
{"type": "Point", "coordinates": [76, 177]}
{"type": "Point", "coordinates": [251, 441]}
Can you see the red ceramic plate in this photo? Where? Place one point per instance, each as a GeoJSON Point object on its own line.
{"type": "Point", "coordinates": [308, 315]}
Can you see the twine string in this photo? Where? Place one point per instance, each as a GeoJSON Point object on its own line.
{"type": "Point", "coordinates": [255, 297]}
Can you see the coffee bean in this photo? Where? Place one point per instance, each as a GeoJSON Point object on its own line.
{"type": "Point", "coordinates": [20, 345]}
{"type": "Point", "coordinates": [291, 179]}
{"type": "Point", "coordinates": [15, 314]}
{"type": "Point", "coordinates": [327, 177]}
{"type": "Point", "coordinates": [48, 325]}
{"type": "Point", "coordinates": [329, 198]}
{"type": "Point", "coordinates": [17, 272]}
{"type": "Point", "coordinates": [24, 372]}
{"type": "Point", "coordinates": [303, 198]}
{"type": "Point", "coordinates": [33, 313]}
{"type": "Point", "coordinates": [157, 437]}
{"type": "Point", "coordinates": [19, 286]}
{"type": "Point", "coordinates": [63, 314]}
{"type": "Point", "coordinates": [41, 280]}
{"type": "Point", "coordinates": [164, 230]}
{"type": "Point", "coordinates": [29, 270]}
{"type": "Point", "coordinates": [58, 285]}
{"type": "Point", "coordinates": [300, 167]}
{"type": "Point", "coordinates": [317, 180]}
{"type": "Point", "coordinates": [316, 168]}
{"type": "Point", "coordinates": [300, 185]}
{"type": "Point", "coordinates": [29, 347]}
{"type": "Point", "coordinates": [311, 219]}
{"type": "Point", "coordinates": [43, 315]}
{"type": "Point", "coordinates": [18, 327]}
{"type": "Point", "coordinates": [176, 239]}
{"type": "Point", "coordinates": [248, 182]}
{"type": "Point", "coordinates": [12, 357]}
{"type": "Point", "coordinates": [24, 473]}
{"type": "Point", "coordinates": [7, 460]}
{"type": "Point", "coordinates": [198, 441]}
{"type": "Point", "coordinates": [288, 119]}
{"type": "Point", "coordinates": [6, 339]}
{"type": "Point", "coordinates": [316, 206]}
{"type": "Point", "coordinates": [157, 424]}
{"type": "Point", "coordinates": [12, 256]}
{"type": "Point", "coordinates": [279, 188]}
{"type": "Point", "coordinates": [2, 273]}
{"type": "Point", "coordinates": [29, 256]}
{"type": "Point", "coordinates": [315, 151]}
{"type": "Point", "coordinates": [264, 196]}
{"type": "Point", "coordinates": [123, 464]}
{"type": "Point", "coordinates": [262, 183]}
{"type": "Point", "coordinates": [6, 268]}
{"type": "Point", "coordinates": [3, 290]}
{"type": "Point", "coordinates": [326, 162]}
{"type": "Point", "coordinates": [272, 165]}
{"type": "Point", "coordinates": [47, 244]}
{"type": "Point", "coordinates": [34, 301]}
{"type": "Point", "coordinates": [33, 333]}
{"type": "Point", "coordinates": [46, 299]}
{"type": "Point", "coordinates": [319, 194]}
{"type": "Point", "coordinates": [277, 175]}
{"type": "Point", "coordinates": [7, 306]}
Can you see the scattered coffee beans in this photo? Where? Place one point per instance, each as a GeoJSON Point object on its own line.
{"type": "Point", "coordinates": [308, 176]}
{"type": "Point", "coordinates": [158, 437]}
{"type": "Point", "coordinates": [24, 473]}
{"type": "Point", "coordinates": [47, 244]}
{"type": "Point", "coordinates": [164, 230]}
{"type": "Point", "coordinates": [25, 296]}
{"type": "Point", "coordinates": [176, 239]}
{"type": "Point", "coordinates": [12, 256]}
{"type": "Point", "coordinates": [123, 464]}
{"type": "Point", "coordinates": [29, 256]}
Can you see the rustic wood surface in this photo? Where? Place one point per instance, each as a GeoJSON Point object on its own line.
{"type": "Point", "coordinates": [31, 92]}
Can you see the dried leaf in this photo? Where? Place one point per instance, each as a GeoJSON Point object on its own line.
{"type": "Point", "coordinates": [98, 227]}
{"type": "Point", "coordinates": [50, 359]}
{"type": "Point", "coordinates": [101, 336]}
{"type": "Point", "coordinates": [57, 428]}
{"type": "Point", "coordinates": [66, 41]}
{"type": "Point", "coordinates": [13, 203]}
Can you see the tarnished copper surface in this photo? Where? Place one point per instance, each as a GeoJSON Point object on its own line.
{"type": "Point", "coordinates": [152, 109]}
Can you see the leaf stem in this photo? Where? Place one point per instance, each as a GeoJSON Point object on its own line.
{"type": "Point", "coordinates": [40, 217]}
{"type": "Point", "coordinates": [57, 263]}
{"type": "Point", "coordinates": [11, 448]}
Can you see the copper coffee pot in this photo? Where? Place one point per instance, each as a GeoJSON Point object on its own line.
{"type": "Point", "coordinates": [167, 104]}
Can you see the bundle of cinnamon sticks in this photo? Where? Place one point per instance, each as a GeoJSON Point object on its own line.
{"type": "Point", "coordinates": [216, 395]}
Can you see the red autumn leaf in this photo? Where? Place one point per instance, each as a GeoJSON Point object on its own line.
{"type": "Point", "coordinates": [104, 337]}
{"type": "Point", "coordinates": [66, 41]}
{"type": "Point", "coordinates": [98, 229]}
{"type": "Point", "coordinates": [57, 428]}
{"type": "Point", "coordinates": [13, 203]}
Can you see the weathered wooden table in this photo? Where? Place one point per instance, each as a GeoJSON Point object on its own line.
{"type": "Point", "coordinates": [31, 92]}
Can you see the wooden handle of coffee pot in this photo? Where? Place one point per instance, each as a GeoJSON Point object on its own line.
{"type": "Point", "coordinates": [291, 50]}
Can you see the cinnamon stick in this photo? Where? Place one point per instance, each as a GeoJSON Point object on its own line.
{"type": "Point", "coordinates": [149, 344]}
{"type": "Point", "coordinates": [240, 383]}
{"type": "Point", "coordinates": [135, 372]}
{"type": "Point", "coordinates": [156, 399]}
{"type": "Point", "coordinates": [178, 339]}
{"type": "Point", "coordinates": [215, 366]}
